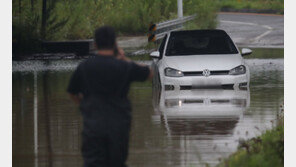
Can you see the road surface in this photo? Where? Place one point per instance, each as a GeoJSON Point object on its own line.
{"type": "Point", "coordinates": [253, 30]}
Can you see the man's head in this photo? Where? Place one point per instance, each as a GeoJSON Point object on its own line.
{"type": "Point", "coordinates": [105, 38]}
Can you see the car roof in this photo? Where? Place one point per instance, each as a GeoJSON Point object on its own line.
{"type": "Point", "coordinates": [210, 31]}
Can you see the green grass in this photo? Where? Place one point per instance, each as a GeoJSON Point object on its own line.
{"type": "Point", "coordinates": [277, 5]}
{"type": "Point", "coordinates": [73, 20]}
{"type": "Point", "coordinates": [263, 151]}
{"type": "Point", "coordinates": [128, 17]}
{"type": "Point", "coordinates": [206, 14]}
{"type": "Point", "coordinates": [266, 53]}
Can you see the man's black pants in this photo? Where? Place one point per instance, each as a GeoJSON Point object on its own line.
{"type": "Point", "coordinates": [108, 146]}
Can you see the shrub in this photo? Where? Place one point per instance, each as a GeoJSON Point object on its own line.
{"type": "Point", "coordinates": [77, 19]}
{"type": "Point", "coordinates": [264, 151]}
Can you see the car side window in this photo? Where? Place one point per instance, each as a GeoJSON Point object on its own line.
{"type": "Point", "coordinates": [161, 47]}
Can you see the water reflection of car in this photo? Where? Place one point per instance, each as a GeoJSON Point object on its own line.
{"type": "Point", "coordinates": [200, 112]}
{"type": "Point", "coordinates": [200, 59]}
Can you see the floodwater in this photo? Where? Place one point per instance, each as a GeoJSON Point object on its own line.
{"type": "Point", "coordinates": [169, 128]}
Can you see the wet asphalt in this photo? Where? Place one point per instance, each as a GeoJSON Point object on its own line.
{"type": "Point", "coordinates": [253, 30]}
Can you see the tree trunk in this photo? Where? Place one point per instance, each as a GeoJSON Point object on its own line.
{"type": "Point", "coordinates": [20, 7]}
{"type": "Point", "coordinates": [32, 6]}
{"type": "Point", "coordinates": [43, 25]}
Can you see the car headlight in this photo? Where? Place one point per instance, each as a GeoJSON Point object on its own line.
{"type": "Point", "coordinates": [238, 70]}
{"type": "Point", "coordinates": [170, 72]}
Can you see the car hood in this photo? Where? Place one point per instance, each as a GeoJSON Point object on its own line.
{"type": "Point", "coordinates": [201, 62]}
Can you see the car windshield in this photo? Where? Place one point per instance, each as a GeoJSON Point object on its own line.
{"type": "Point", "coordinates": [199, 43]}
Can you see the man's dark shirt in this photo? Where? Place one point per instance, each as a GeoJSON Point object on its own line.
{"type": "Point", "coordinates": [104, 82]}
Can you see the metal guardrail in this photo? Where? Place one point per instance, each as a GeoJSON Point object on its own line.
{"type": "Point", "coordinates": [163, 28]}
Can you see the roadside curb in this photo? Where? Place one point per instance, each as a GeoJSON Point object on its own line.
{"type": "Point", "coordinates": [255, 11]}
{"type": "Point", "coordinates": [259, 14]}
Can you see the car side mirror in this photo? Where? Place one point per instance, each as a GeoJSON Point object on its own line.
{"type": "Point", "coordinates": [246, 51]}
{"type": "Point", "coordinates": [155, 54]}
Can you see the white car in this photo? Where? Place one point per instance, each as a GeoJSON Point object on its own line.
{"type": "Point", "coordinates": [200, 59]}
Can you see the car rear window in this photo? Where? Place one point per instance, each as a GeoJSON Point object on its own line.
{"type": "Point", "coordinates": [199, 43]}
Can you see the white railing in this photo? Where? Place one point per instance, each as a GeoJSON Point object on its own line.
{"type": "Point", "coordinates": [171, 25]}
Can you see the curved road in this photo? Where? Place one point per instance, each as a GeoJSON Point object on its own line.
{"type": "Point", "coordinates": [253, 30]}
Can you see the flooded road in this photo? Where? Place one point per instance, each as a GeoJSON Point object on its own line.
{"type": "Point", "coordinates": [169, 128]}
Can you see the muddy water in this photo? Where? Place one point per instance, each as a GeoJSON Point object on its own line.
{"type": "Point", "coordinates": [185, 128]}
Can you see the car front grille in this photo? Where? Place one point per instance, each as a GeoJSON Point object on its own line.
{"type": "Point", "coordinates": [225, 86]}
{"type": "Point", "coordinates": [199, 73]}
{"type": "Point", "coordinates": [179, 102]}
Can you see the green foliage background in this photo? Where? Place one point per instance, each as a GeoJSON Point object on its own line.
{"type": "Point", "coordinates": [276, 5]}
{"type": "Point", "coordinates": [77, 19]}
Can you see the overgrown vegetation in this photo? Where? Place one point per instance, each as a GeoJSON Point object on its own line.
{"type": "Point", "coordinates": [77, 19]}
{"type": "Point", "coordinates": [206, 14]}
{"type": "Point", "coordinates": [274, 5]}
{"type": "Point", "coordinates": [263, 151]}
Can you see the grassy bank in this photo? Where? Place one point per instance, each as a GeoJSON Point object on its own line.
{"type": "Point", "coordinates": [273, 6]}
{"type": "Point", "coordinates": [266, 53]}
{"type": "Point", "coordinates": [263, 151]}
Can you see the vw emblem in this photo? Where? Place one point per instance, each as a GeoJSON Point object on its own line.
{"type": "Point", "coordinates": [207, 101]}
{"type": "Point", "coordinates": [206, 72]}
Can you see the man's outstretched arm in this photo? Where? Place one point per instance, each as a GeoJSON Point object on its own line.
{"type": "Point", "coordinates": [122, 56]}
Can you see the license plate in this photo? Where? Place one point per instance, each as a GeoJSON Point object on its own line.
{"type": "Point", "coordinates": [205, 81]}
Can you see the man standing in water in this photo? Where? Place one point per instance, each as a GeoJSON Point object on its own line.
{"type": "Point", "coordinates": [100, 85]}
